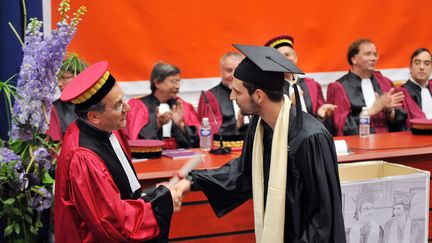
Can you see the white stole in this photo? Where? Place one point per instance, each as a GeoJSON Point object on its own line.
{"type": "Point", "coordinates": [426, 100]}
{"type": "Point", "coordinates": [368, 92]}
{"type": "Point", "coordinates": [166, 128]}
{"type": "Point", "coordinates": [133, 181]}
{"type": "Point", "coordinates": [291, 92]}
{"type": "Point", "coordinates": [270, 221]}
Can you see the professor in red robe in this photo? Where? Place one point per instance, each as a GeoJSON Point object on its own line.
{"type": "Point", "coordinates": [145, 120]}
{"type": "Point", "coordinates": [361, 87]}
{"type": "Point", "coordinates": [97, 194]}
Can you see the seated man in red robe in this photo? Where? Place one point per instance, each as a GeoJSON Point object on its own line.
{"type": "Point", "coordinates": [146, 120]}
{"type": "Point", "coordinates": [226, 112]}
{"type": "Point", "coordinates": [418, 89]}
{"type": "Point", "coordinates": [97, 194]}
{"type": "Point", "coordinates": [361, 87]}
{"type": "Point", "coordinates": [62, 113]}
{"type": "Point", "coordinates": [311, 96]}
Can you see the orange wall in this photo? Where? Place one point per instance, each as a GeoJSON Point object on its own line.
{"type": "Point", "coordinates": [133, 34]}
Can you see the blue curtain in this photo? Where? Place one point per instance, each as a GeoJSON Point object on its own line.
{"type": "Point", "coordinates": [10, 47]}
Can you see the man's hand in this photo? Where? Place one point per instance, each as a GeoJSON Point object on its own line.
{"type": "Point", "coordinates": [326, 110]}
{"type": "Point", "coordinates": [387, 101]}
{"type": "Point", "coordinates": [178, 115]}
{"type": "Point", "coordinates": [162, 119]}
{"type": "Point", "coordinates": [183, 185]}
{"type": "Point", "coordinates": [177, 197]}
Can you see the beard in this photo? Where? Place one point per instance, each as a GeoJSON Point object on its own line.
{"type": "Point", "coordinates": [252, 108]}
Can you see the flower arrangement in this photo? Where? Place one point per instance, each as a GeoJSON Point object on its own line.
{"type": "Point", "coordinates": [28, 159]}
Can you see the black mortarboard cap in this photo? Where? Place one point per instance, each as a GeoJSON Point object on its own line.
{"type": "Point", "coordinates": [264, 67]}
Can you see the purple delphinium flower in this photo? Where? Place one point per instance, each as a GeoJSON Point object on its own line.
{"type": "Point", "coordinates": [43, 158]}
{"type": "Point", "coordinates": [26, 181]}
{"type": "Point", "coordinates": [6, 155]}
{"type": "Point", "coordinates": [43, 56]}
{"type": "Point", "coordinates": [41, 202]}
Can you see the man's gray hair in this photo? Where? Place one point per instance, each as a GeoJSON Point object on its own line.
{"type": "Point", "coordinates": [234, 55]}
{"type": "Point", "coordinates": [160, 72]}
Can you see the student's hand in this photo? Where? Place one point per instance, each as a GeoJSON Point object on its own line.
{"type": "Point", "coordinates": [162, 119]}
{"type": "Point", "coordinates": [183, 185]}
{"type": "Point", "coordinates": [326, 110]}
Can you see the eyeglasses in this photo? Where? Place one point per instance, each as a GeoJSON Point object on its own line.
{"type": "Point", "coordinates": [173, 81]}
{"type": "Point", "coordinates": [119, 107]}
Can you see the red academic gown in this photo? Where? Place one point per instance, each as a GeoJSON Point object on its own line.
{"type": "Point", "coordinates": [412, 101]}
{"type": "Point", "coordinates": [54, 130]}
{"type": "Point", "coordinates": [93, 199]}
{"type": "Point", "coordinates": [141, 121]}
{"type": "Point", "coordinates": [347, 95]}
{"type": "Point", "coordinates": [222, 107]}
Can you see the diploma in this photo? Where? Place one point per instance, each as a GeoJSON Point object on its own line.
{"type": "Point", "coordinates": [191, 164]}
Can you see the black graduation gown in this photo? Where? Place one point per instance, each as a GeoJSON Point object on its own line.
{"type": "Point", "coordinates": [313, 199]}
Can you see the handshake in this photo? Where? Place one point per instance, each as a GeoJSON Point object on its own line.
{"type": "Point", "coordinates": [178, 185]}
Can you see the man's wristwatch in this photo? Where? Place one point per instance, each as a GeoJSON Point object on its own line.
{"type": "Point", "coordinates": [190, 178]}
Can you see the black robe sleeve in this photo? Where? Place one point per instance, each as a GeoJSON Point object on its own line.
{"type": "Point", "coordinates": [226, 187]}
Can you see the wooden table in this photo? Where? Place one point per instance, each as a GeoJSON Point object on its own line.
{"type": "Point", "coordinates": [196, 221]}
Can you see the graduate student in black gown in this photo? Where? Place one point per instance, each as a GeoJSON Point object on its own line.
{"type": "Point", "coordinates": [288, 163]}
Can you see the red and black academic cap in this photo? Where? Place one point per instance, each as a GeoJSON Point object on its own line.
{"type": "Point", "coordinates": [283, 40]}
{"type": "Point", "coordinates": [90, 86]}
{"type": "Point", "coordinates": [264, 67]}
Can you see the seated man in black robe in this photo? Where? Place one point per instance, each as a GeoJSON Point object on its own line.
{"type": "Point", "coordinates": [363, 86]}
{"type": "Point", "coordinates": [419, 87]}
{"type": "Point", "coordinates": [288, 163]}
{"type": "Point", "coordinates": [224, 110]}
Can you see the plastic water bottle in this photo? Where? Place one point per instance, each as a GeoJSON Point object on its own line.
{"type": "Point", "coordinates": [205, 134]}
{"type": "Point", "coordinates": [364, 124]}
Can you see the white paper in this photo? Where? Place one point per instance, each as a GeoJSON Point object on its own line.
{"type": "Point", "coordinates": [191, 164]}
{"type": "Point", "coordinates": [341, 147]}
{"type": "Point", "coordinates": [166, 129]}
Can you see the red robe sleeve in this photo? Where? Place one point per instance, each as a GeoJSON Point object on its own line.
{"type": "Point", "coordinates": [97, 202]}
{"type": "Point", "coordinates": [204, 111]}
{"type": "Point", "coordinates": [385, 83]}
{"type": "Point", "coordinates": [337, 95]}
{"type": "Point", "coordinates": [136, 119]}
{"type": "Point", "coordinates": [410, 106]}
{"type": "Point", "coordinates": [315, 93]}
{"type": "Point", "coordinates": [55, 130]}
